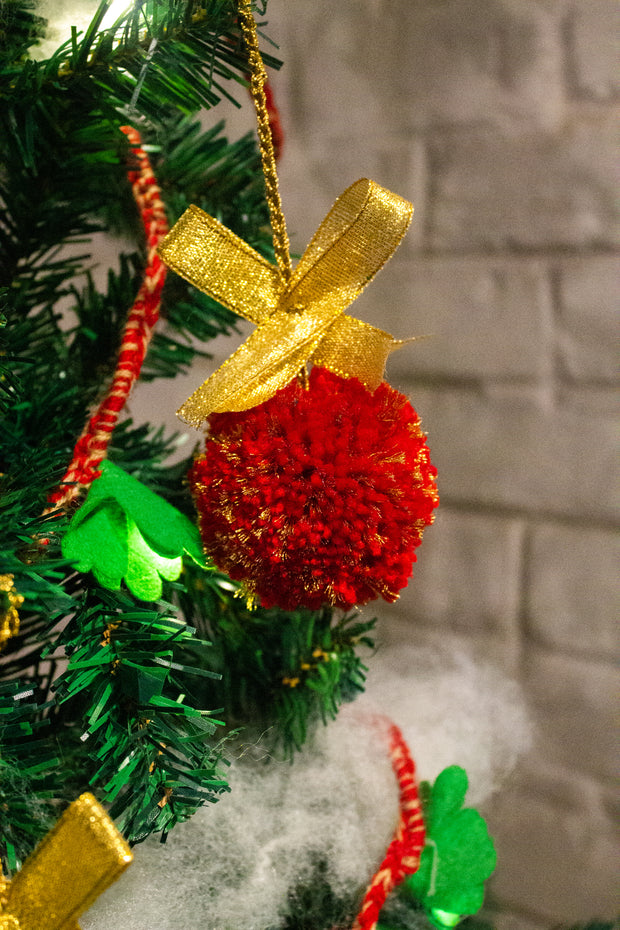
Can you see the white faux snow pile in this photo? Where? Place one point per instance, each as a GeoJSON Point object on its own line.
{"type": "Point", "coordinates": [230, 867]}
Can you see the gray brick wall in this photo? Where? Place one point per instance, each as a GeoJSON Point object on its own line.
{"type": "Point", "coordinates": [497, 118]}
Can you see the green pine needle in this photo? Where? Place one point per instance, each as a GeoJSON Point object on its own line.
{"type": "Point", "coordinates": [119, 694]}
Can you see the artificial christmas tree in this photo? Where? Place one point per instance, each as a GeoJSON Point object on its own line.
{"type": "Point", "coordinates": [132, 665]}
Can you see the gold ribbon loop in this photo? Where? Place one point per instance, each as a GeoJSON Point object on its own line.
{"type": "Point", "coordinates": [303, 321]}
{"type": "Point", "coordinates": [216, 261]}
{"type": "Point", "coordinates": [354, 241]}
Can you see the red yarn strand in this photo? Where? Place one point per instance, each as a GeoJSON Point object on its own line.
{"type": "Point", "coordinates": [91, 447]}
{"type": "Point", "coordinates": [403, 854]}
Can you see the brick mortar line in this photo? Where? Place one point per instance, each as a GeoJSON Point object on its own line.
{"type": "Point", "coordinates": [608, 661]}
{"type": "Point", "coordinates": [595, 250]}
{"type": "Point", "coordinates": [498, 907]}
{"type": "Point", "coordinates": [599, 658]}
{"type": "Point", "coordinates": [560, 376]}
{"type": "Point", "coordinates": [533, 517]}
{"type": "Point", "coordinates": [479, 383]}
{"type": "Point", "coordinates": [523, 588]}
{"type": "Point", "coordinates": [554, 254]}
{"type": "Point", "coordinates": [429, 196]}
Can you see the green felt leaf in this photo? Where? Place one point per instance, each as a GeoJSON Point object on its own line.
{"type": "Point", "coordinates": [99, 544]}
{"type": "Point", "coordinates": [146, 568]}
{"type": "Point", "coordinates": [165, 529]}
{"type": "Point", "coordinates": [459, 855]}
{"type": "Point", "coordinates": [447, 795]}
{"type": "Point", "coordinates": [123, 530]}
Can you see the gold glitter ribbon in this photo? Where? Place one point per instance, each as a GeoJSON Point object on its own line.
{"type": "Point", "coordinates": [300, 320]}
{"type": "Point", "coordinates": [77, 860]}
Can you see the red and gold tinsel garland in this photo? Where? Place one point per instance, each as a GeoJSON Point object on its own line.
{"type": "Point", "coordinates": [317, 496]}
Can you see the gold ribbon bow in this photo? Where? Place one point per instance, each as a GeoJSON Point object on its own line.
{"type": "Point", "coordinates": [299, 320]}
{"type": "Point", "coordinates": [77, 860]}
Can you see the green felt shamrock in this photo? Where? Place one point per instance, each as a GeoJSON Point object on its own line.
{"type": "Point", "coordinates": [458, 856]}
{"type": "Point", "coordinates": [125, 531]}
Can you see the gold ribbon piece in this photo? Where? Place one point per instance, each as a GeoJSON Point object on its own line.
{"type": "Point", "coordinates": [77, 860]}
{"type": "Point", "coordinates": [298, 321]}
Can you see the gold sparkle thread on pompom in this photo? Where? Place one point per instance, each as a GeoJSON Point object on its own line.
{"type": "Point", "coordinates": [10, 601]}
{"type": "Point", "coordinates": [300, 321]}
{"type": "Point", "coordinates": [72, 865]}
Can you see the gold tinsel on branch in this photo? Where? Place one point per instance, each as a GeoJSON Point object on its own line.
{"type": "Point", "coordinates": [10, 600]}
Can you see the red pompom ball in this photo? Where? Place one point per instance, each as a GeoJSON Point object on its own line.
{"type": "Point", "coordinates": [319, 495]}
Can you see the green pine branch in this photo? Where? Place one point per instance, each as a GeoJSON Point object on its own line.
{"type": "Point", "coordinates": [99, 688]}
{"type": "Point", "coordinates": [148, 750]}
{"type": "Point", "coordinates": [282, 672]}
{"type": "Point", "coordinates": [28, 763]}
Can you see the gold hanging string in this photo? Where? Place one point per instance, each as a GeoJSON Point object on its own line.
{"type": "Point", "coordinates": [258, 77]}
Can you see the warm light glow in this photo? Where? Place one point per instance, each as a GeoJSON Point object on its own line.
{"type": "Point", "coordinates": [61, 15]}
{"type": "Point", "coordinates": [117, 8]}
{"type": "Point", "coordinates": [444, 918]}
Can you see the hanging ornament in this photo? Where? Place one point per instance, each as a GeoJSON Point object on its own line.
{"type": "Point", "coordinates": [78, 859]}
{"type": "Point", "coordinates": [10, 601]}
{"type": "Point", "coordinates": [319, 495]}
{"type": "Point", "coordinates": [310, 491]}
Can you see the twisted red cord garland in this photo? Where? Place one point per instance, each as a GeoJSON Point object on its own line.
{"type": "Point", "coordinates": [92, 445]}
{"type": "Point", "coordinates": [403, 854]}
